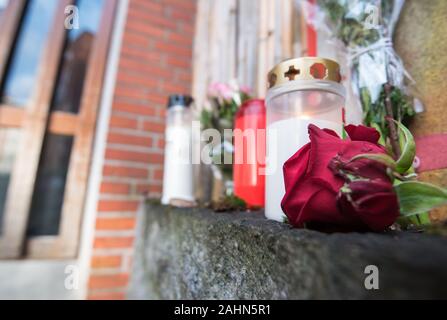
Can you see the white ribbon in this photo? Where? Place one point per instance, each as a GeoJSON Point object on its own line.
{"type": "Point", "coordinates": [386, 42]}
{"type": "Point", "coordinates": [354, 53]}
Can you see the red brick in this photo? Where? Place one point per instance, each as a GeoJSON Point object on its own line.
{"type": "Point", "coordinates": [140, 67]}
{"type": "Point", "coordinates": [117, 205]}
{"type": "Point", "coordinates": [145, 5]}
{"type": "Point", "coordinates": [185, 77]}
{"type": "Point", "coordinates": [156, 158]}
{"type": "Point", "coordinates": [176, 62]}
{"type": "Point", "coordinates": [139, 52]}
{"type": "Point", "coordinates": [155, 61]}
{"type": "Point", "coordinates": [162, 113]}
{"type": "Point", "coordinates": [174, 49]}
{"type": "Point", "coordinates": [179, 38]}
{"type": "Point", "coordinates": [135, 156]}
{"type": "Point", "coordinates": [129, 139]}
{"type": "Point", "coordinates": [141, 26]}
{"type": "Point", "coordinates": [115, 223]}
{"type": "Point", "coordinates": [136, 39]}
{"type": "Point", "coordinates": [123, 122]}
{"type": "Point", "coordinates": [177, 88]}
{"type": "Point", "coordinates": [131, 92]}
{"type": "Point", "coordinates": [184, 5]}
{"type": "Point", "coordinates": [166, 23]}
{"type": "Point", "coordinates": [159, 99]}
{"type": "Point", "coordinates": [181, 14]}
{"type": "Point", "coordinates": [161, 144]}
{"type": "Point", "coordinates": [151, 126]}
{"type": "Point", "coordinates": [149, 188]}
{"type": "Point", "coordinates": [157, 174]}
{"type": "Point", "coordinates": [113, 242]}
{"type": "Point", "coordinates": [106, 261]}
{"type": "Point", "coordinates": [126, 155]}
{"type": "Point", "coordinates": [108, 281]}
{"type": "Point", "coordinates": [138, 109]}
{"type": "Point", "coordinates": [107, 296]}
{"type": "Point", "coordinates": [187, 29]}
{"type": "Point", "coordinates": [115, 188]}
{"type": "Point", "coordinates": [136, 79]}
{"type": "Point", "coordinates": [121, 171]}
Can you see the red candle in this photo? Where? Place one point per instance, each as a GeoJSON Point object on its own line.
{"type": "Point", "coordinates": [249, 153]}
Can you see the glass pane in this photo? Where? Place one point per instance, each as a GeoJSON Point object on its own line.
{"type": "Point", "coordinates": [3, 5]}
{"type": "Point", "coordinates": [22, 70]}
{"type": "Point", "coordinates": [9, 140]}
{"type": "Point", "coordinates": [49, 187]}
{"type": "Point", "coordinates": [69, 86]}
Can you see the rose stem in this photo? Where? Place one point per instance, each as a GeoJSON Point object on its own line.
{"type": "Point", "coordinates": [394, 137]}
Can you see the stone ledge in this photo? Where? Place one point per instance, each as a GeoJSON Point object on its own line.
{"type": "Point", "coordinates": [199, 254]}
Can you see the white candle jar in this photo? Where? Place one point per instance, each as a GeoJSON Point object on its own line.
{"type": "Point", "coordinates": [178, 168]}
{"type": "Point", "coordinates": [301, 91]}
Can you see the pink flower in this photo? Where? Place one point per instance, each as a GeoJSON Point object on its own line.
{"type": "Point", "coordinates": [220, 90]}
{"type": "Point", "coordinates": [246, 90]}
{"type": "Point", "coordinates": [213, 89]}
{"type": "Point", "coordinates": [226, 92]}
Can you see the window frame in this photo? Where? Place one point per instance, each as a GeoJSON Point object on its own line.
{"type": "Point", "coordinates": [35, 120]}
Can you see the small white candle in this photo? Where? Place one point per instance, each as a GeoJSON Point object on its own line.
{"type": "Point", "coordinates": [178, 171]}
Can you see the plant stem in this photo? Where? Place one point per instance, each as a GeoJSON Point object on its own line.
{"type": "Point", "coordinates": [393, 134]}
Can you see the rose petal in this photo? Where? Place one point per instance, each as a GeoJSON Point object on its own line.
{"type": "Point", "coordinates": [316, 202]}
{"type": "Point", "coordinates": [296, 166]}
{"type": "Point", "coordinates": [362, 133]}
{"type": "Point", "coordinates": [361, 188]}
{"type": "Point", "coordinates": [379, 210]}
{"type": "Point", "coordinates": [324, 147]}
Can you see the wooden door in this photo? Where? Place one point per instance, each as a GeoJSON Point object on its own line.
{"type": "Point", "coordinates": [51, 79]}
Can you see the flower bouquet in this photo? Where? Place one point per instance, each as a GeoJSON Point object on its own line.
{"type": "Point", "coordinates": [363, 30]}
{"type": "Point", "coordinates": [225, 100]}
{"type": "Point", "coordinates": [354, 184]}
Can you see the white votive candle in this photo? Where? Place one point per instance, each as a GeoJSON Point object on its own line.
{"type": "Point", "coordinates": [302, 91]}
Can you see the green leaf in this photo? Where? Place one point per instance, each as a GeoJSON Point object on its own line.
{"type": "Point", "coordinates": [405, 161]}
{"type": "Point", "coordinates": [420, 219]}
{"type": "Point", "coordinates": [381, 139]}
{"type": "Point", "coordinates": [419, 197]}
{"type": "Point", "coordinates": [344, 134]}
{"type": "Point", "coordinates": [379, 157]}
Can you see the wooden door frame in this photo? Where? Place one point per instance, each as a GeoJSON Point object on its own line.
{"type": "Point", "coordinates": [35, 120]}
{"type": "Point", "coordinates": [9, 24]}
{"type": "Point", "coordinates": [35, 117]}
{"type": "Point", "coordinates": [65, 244]}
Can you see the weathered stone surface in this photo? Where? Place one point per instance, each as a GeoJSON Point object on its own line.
{"type": "Point", "coordinates": [198, 254]}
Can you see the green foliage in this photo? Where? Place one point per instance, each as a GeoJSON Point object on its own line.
{"type": "Point", "coordinates": [415, 198]}
{"type": "Point", "coordinates": [405, 161]}
{"type": "Point", "coordinates": [419, 197]}
{"type": "Point", "coordinates": [379, 157]}
{"type": "Point", "coordinates": [220, 117]}
{"type": "Point", "coordinates": [346, 19]}
{"type": "Point", "coordinates": [349, 28]}
{"type": "Point", "coordinates": [374, 114]}
{"type": "Point", "coordinates": [229, 203]}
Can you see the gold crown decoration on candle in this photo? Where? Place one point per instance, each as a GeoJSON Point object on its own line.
{"type": "Point", "coordinates": [305, 68]}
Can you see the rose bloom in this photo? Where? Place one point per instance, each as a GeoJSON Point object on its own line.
{"type": "Point", "coordinates": [321, 192]}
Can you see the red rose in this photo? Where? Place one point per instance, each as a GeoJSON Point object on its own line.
{"type": "Point", "coordinates": [373, 202]}
{"type": "Point", "coordinates": [319, 188]}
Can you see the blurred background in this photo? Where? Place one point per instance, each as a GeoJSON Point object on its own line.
{"type": "Point", "coordinates": [84, 87]}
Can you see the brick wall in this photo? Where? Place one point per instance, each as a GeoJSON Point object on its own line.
{"type": "Point", "coordinates": [155, 61]}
